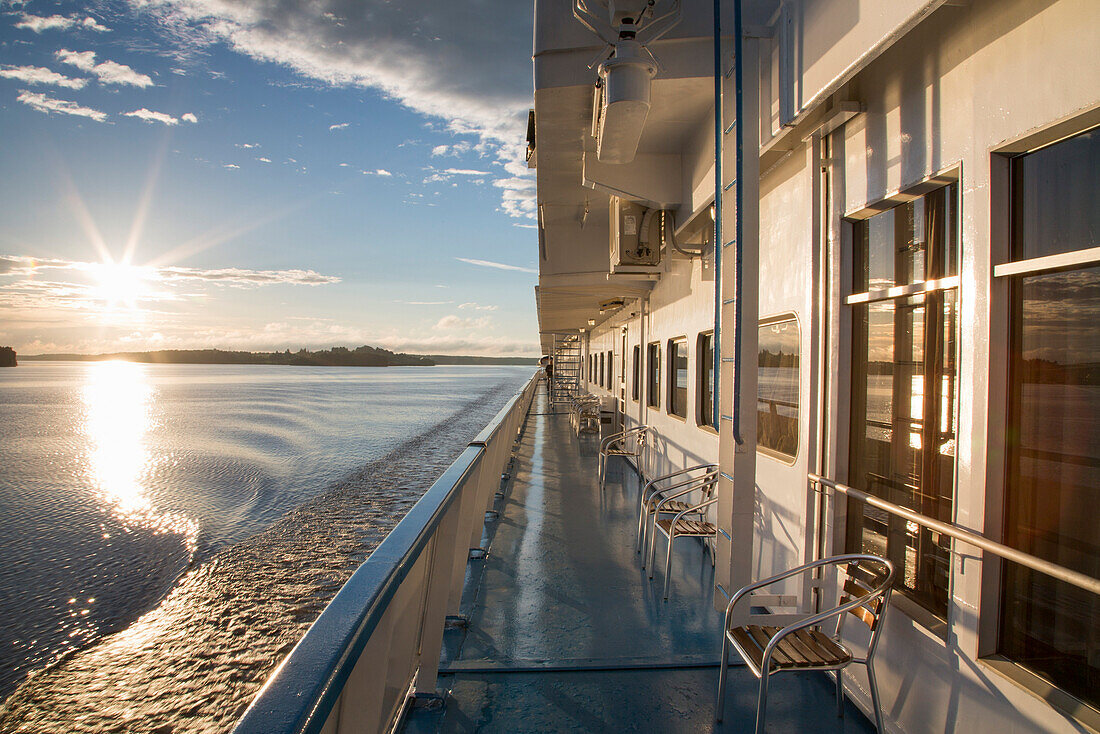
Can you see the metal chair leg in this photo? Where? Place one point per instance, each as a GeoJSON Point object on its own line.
{"type": "Point", "coordinates": [652, 552]}
{"type": "Point", "coordinates": [873, 682]}
{"type": "Point", "coordinates": [642, 516]}
{"type": "Point", "coordinates": [668, 560]}
{"type": "Point", "coordinates": [761, 702]}
{"type": "Point", "coordinates": [840, 693]}
{"type": "Point", "coordinates": [719, 706]}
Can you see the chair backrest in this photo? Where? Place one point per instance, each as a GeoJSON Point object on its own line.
{"type": "Point", "coordinates": [867, 577]}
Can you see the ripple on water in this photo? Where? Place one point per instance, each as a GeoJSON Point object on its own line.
{"type": "Point", "coordinates": [195, 661]}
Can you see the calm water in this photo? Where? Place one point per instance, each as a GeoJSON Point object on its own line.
{"type": "Point", "coordinates": [248, 492]}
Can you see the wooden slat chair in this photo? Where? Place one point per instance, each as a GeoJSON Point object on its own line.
{"type": "Point", "coordinates": [689, 522]}
{"type": "Point", "coordinates": [656, 491]}
{"type": "Point", "coordinates": [631, 442]}
{"type": "Point", "coordinates": [802, 645]}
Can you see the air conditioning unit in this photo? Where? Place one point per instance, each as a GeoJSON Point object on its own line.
{"type": "Point", "coordinates": [634, 248]}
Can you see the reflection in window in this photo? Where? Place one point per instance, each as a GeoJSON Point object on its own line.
{"type": "Point", "coordinates": [777, 388]}
{"type": "Point", "coordinates": [636, 381]}
{"type": "Point", "coordinates": [677, 377]}
{"type": "Point", "coordinates": [704, 352]}
{"type": "Point", "coordinates": [902, 442]}
{"type": "Point", "coordinates": [653, 375]}
{"type": "Point", "coordinates": [1053, 485]}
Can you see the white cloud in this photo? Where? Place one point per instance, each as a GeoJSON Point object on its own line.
{"type": "Point", "coordinates": [93, 25]}
{"type": "Point", "coordinates": [478, 306]}
{"type": "Point", "coordinates": [439, 150]}
{"type": "Point", "coordinates": [189, 117]}
{"type": "Point", "coordinates": [340, 126]}
{"type": "Point", "coordinates": [378, 172]}
{"type": "Point", "coordinates": [465, 172]}
{"type": "Point", "coordinates": [42, 103]}
{"type": "Point", "coordinates": [150, 116]}
{"type": "Point", "coordinates": [38, 23]}
{"type": "Point", "coordinates": [264, 160]}
{"type": "Point", "coordinates": [230, 165]}
{"type": "Point", "coordinates": [470, 69]}
{"type": "Point", "coordinates": [246, 146]}
{"type": "Point", "coordinates": [41, 75]}
{"type": "Point", "coordinates": [498, 266]}
{"type": "Point", "coordinates": [108, 72]}
{"type": "Point", "coordinates": [451, 322]}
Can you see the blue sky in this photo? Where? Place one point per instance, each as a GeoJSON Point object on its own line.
{"type": "Point", "coordinates": [266, 175]}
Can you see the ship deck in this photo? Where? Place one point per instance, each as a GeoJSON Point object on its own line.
{"type": "Point", "coordinates": [566, 633]}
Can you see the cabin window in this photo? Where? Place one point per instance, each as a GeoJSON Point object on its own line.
{"type": "Point", "coordinates": [637, 374]}
{"type": "Point", "coordinates": [653, 375]}
{"type": "Point", "coordinates": [777, 388]}
{"type": "Point", "coordinates": [704, 352]}
{"type": "Point", "coordinates": [602, 384]}
{"type": "Point", "coordinates": [677, 377]}
{"type": "Point", "coordinates": [590, 368]}
{"type": "Point", "coordinates": [902, 441]}
{"type": "Point", "coordinates": [610, 369]}
{"type": "Point", "coordinates": [1053, 477]}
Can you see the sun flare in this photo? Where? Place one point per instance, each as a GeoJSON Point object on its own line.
{"type": "Point", "coordinates": [120, 284]}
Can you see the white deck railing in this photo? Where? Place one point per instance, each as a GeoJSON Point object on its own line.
{"type": "Point", "coordinates": [379, 639]}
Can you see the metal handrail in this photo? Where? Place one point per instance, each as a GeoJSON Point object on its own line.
{"type": "Point", "coordinates": [300, 695]}
{"type": "Point", "coordinates": [1075, 578]}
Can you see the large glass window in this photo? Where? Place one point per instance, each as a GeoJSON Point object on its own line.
{"type": "Point", "coordinates": [1053, 487]}
{"type": "Point", "coordinates": [602, 383]}
{"type": "Point", "coordinates": [653, 375]}
{"type": "Point", "coordinates": [610, 369]}
{"type": "Point", "coordinates": [636, 382]}
{"type": "Point", "coordinates": [777, 388]}
{"type": "Point", "coordinates": [902, 441]}
{"type": "Point", "coordinates": [677, 377]}
{"type": "Point", "coordinates": [704, 352]}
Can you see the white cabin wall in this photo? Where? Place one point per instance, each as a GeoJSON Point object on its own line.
{"type": "Point", "coordinates": [786, 287]}
{"type": "Point", "coordinates": [961, 85]}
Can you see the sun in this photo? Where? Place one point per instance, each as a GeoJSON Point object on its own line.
{"type": "Point", "coordinates": [119, 284]}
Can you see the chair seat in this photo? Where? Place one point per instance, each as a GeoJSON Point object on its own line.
{"type": "Point", "coordinates": [804, 648]}
{"type": "Point", "coordinates": [675, 506]}
{"type": "Point", "coordinates": [687, 527]}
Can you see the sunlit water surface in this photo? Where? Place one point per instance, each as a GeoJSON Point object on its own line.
{"type": "Point", "coordinates": [249, 493]}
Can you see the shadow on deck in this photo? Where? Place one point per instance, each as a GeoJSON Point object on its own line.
{"type": "Point", "coordinates": [566, 632]}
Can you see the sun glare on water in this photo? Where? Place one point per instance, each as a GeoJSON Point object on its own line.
{"type": "Point", "coordinates": [119, 408]}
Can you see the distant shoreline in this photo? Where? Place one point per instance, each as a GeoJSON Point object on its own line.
{"type": "Point", "coordinates": [335, 357]}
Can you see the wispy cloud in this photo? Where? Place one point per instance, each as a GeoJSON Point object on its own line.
{"type": "Point", "coordinates": [465, 172]}
{"type": "Point", "coordinates": [38, 23]}
{"type": "Point", "coordinates": [108, 72]}
{"type": "Point", "coordinates": [378, 172]}
{"type": "Point", "coordinates": [189, 117]}
{"type": "Point", "coordinates": [498, 266]}
{"type": "Point", "coordinates": [41, 75]}
{"type": "Point", "coordinates": [230, 165]}
{"type": "Point", "coordinates": [247, 146]}
{"type": "Point", "coordinates": [340, 126]}
{"type": "Point", "coordinates": [162, 117]}
{"type": "Point", "coordinates": [425, 303]}
{"type": "Point", "coordinates": [451, 322]}
{"type": "Point", "coordinates": [434, 56]}
{"type": "Point", "coordinates": [262, 159]}
{"type": "Point", "coordinates": [477, 306]}
{"type": "Point", "coordinates": [42, 103]}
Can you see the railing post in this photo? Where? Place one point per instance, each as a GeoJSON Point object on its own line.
{"type": "Point", "coordinates": [434, 614]}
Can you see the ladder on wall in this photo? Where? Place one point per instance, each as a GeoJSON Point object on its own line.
{"type": "Point", "coordinates": [567, 368]}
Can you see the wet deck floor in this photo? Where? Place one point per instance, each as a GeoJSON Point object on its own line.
{"type": "Point", "coordinates": [567, 633]}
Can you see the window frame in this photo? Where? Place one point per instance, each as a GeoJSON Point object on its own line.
{"type": "Point", "coordinates": [704, 417]}
{"type": "Point", "coordinates": [636, 373]}
{"type": "Point", "coordinates": [1007, 280]}
{"type": "Point", "coordinates": [670, 376]}
{"type": "Point", "coordinates": [653, 375]}
{"type": "Point", "coordinates": [787, 459]}
{"type": "Point", "coordinates": [849, 222]}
